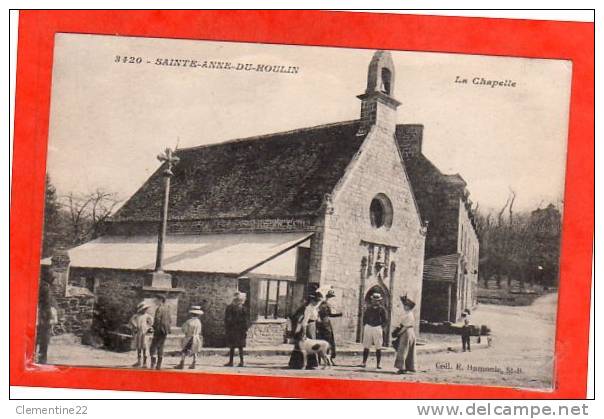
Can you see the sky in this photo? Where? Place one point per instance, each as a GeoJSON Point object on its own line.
{"type": "Point", "coordinates": [109, 119]}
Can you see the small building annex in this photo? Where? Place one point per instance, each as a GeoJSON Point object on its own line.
{"type": "Point", "coordinates": [452, 246]}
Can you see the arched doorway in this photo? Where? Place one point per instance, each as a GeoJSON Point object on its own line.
{"type": "Point", "coordinates": [386, 301]}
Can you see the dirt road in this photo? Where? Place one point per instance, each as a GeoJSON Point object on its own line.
{"type": "Point", "coordinates": [520, 355]}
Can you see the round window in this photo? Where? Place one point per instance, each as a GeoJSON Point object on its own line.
{"type": "Point", "coordinates": [380, 211]}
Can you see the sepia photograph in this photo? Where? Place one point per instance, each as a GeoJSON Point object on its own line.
{"type": "Point", "coordinates": [285, 210]}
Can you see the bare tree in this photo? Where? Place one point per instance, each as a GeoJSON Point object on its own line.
{"type": "Point", "coordinates": [88, 212]}
{"type": "Point", "coordinates": [102, 204]}
{"type": "Point", "coordinates": [520, 247]}
{"type": "Point", "coordinates": [512, 198]}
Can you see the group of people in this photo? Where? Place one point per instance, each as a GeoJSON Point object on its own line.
{"type": "Point", "coordinates": [150, 332]}
{"type": "Point", "coordinates": [155, 329]}
{"type": "Point", "coordinates": [312, 321]}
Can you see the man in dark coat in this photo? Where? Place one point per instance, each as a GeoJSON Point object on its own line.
{"type": "Point", "coordinates": [324, 328]}
{"type": "Point", "coordinates": [47, 309]}
{"type": "Point", "coordinates": [236, 323]}
{"type": "Point", "coordinates": [162, 324]}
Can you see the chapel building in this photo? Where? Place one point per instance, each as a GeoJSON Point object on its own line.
{"type": "Point", "coordinates": [277, 216]}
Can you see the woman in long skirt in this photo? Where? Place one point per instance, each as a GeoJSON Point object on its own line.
{"type": "Point", "coordinates": [405, 353]}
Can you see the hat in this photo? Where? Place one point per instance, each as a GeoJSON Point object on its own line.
{"type": "Point", "coordinates": [407, 301]}
{"type": "Point", "coordinates": [142, 306]}
{"type": "Point", "coordinates": [196, 310]}
{"type": "Point", "coordinates": [376, 296]}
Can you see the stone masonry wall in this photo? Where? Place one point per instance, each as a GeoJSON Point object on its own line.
{"type": "Point", "coordinates": [121, 289]}
{"type": "Point", "coordinates": [76, 313]}
{"type": "Point", "coordinates": [468, 246]}
{"type": "Point", "coordinates": [213, 292]}
{"type": "Point", "coordinates": [267, 332]}
{"type": "Point", "coordinates": [377, 168]}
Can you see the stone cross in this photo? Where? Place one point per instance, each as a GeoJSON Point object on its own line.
{"type": "Point", "coordinates": [170, 160]}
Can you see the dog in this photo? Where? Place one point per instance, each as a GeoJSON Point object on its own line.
{"type": "Point", "coordinates": [307, 346]}
{"type": "Point", "coordinates": [318, 347]}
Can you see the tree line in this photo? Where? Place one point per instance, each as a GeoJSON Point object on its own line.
{"type": "Point", "coordinates": [519, 245]}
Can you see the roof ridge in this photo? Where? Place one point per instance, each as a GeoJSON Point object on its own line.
{"type": "Point", "coordinates": [274, 134]}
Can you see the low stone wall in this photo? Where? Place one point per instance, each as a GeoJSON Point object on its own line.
{"type": "Point", "coordinates": [267, 332]}
{"type": "Point", "coordinates": [76, 311]}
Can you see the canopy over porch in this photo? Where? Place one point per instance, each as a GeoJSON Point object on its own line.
{"type": "Point", "coordinates": [271, 254]}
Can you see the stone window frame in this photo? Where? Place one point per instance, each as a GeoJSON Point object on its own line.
{"type": "Point", "coordinates": [386, 209]}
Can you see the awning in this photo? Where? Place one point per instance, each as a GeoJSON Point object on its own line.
{"type": "Point", "coordinates": [258, 253]}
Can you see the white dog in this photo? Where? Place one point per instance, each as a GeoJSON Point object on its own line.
{"type": "Point", "coordinates": [320, 348]}
{"type": "Point", "coordinates": [307, 346]}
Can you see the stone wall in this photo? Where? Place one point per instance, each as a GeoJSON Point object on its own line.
{"type": "Point", "coordinates": [436, 301]}
{"type": "Point", "coordinates": [410, 138]}
{"type": "Point", "coordinates": [267, 332]}
{"type": "Point", "coordinates": [119, 291]}
{"type": "Point", "coordinates": [468, 247]}
{"type": "Point", "coordinates": [213, 292]}
{"type": "Point", "coordinates": [348, 233]}
{"type": "Point", "coordinates": [443, 229]}
{"type": "Point", "coordinates": [75, 312]}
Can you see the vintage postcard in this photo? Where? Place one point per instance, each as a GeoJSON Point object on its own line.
{"type": "Point", "coordinates": [244, 208]}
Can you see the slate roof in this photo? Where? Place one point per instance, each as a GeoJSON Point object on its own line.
{"type": "Point", "coordinates": [430, 185]}
{"type": "Point", "coordinates": [426, 179]}
{"type": "Point", "coordinates": [272, 176]}
{"type": "Point", "coordinates": [442, 268]}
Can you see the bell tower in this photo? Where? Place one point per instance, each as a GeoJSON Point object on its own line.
{"type": "Point", "coordinates": [378, 106]}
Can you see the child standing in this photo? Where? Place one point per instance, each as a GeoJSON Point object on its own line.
{"type": "Point", "coordinates": [141, 323]}
{"type": "Point", "coordinates": [465, 330]}
{"type": "Point", "coordinates": [192, 341]}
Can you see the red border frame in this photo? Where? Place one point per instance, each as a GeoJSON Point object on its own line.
{"type": "Point", "coordinates": [526, 38]}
